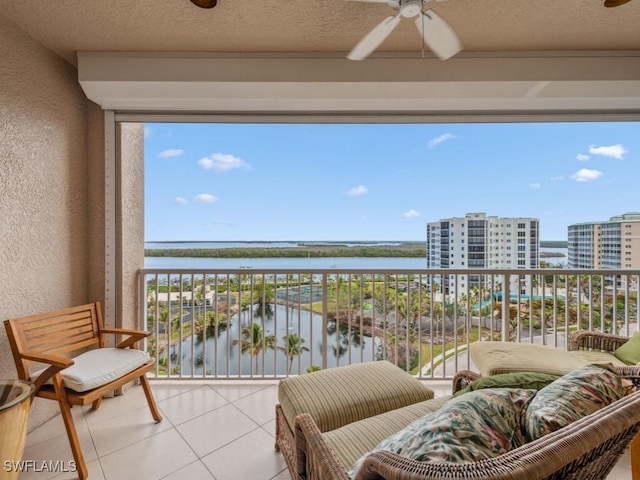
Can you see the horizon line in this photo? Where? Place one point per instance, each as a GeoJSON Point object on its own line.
{"type": "Point", "coordinates": [302, 241]}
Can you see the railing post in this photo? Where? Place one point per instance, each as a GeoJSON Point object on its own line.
{"type": "Point", "coordinates": [325, 320]}
{"type": "Point", "coordinates": [506, 311]}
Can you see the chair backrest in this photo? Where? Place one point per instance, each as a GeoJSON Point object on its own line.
{"type": "Point", "coordinates": [61, 332]}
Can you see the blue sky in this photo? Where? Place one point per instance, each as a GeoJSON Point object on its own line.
{"type": "Point", "coordinates": [223, 182]}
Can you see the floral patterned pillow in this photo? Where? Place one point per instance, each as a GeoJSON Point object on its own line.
{"type": "Point", "coordinates": [571, 397]}
{"type": "Point", "coordinates": [475, 426]}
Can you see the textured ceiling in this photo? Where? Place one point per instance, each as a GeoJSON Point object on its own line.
{"type": "Point", "coordinates": [317, 26]}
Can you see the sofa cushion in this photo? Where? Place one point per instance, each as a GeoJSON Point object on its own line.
{"type": "Point", "coordinates": [494, 358]}
{"type": "Point", "coordinates": [339, 396]}
{"type": "Point", "coordinates": [629, 352]}
{"type": "Point", "coordinates": [475, 426]}
{"type": "Point", "coordinates": [571, 397]}
{"type": "Point", "coordinates": [531, 380]}
{"type": "Point", "coordinates": [352, 441]}
{"type": "Point", "coordinates": [95, 368]}
{"type": "Point", "coordinates": [590, 357]}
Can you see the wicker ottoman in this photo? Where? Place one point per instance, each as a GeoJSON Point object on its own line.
{"type": "Point", "coordinates": [340, 396]}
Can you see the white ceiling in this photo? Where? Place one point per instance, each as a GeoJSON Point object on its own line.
{"type": "Point", "coordinates": [288, 55]}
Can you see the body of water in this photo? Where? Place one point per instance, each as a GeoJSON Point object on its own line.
{"type": "Point", "coordinates": [324, 263]}
{"type": "Point", "coordinates": [222, 354]}
{"type": "Point", "coordinates": [556, 260]}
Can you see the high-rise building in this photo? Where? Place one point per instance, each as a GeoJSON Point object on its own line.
{"type": "Point", "coordinates": [605, 245]}
{"type": "Point", "coordinates": [478, 241]}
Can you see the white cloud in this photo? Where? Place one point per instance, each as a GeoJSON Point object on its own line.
{"type": "Point", "coordinates": [173, 152]}
{"type": "Point", "coordinates": [359, 190]}
{"type": "Point", "coordinates": [614, 151]}
{"type": "Point", "coordinates": [147, 132]}
{"type": "Point", "coordinates": [535, 186]}
{"type": "Point", "coordinates": [434, 142]}
{"type": "Point", "coordinates": [584, 175]}
{"type": "Point", "coordinates": [581, 157]}
{"type": "Point", "coordinates": [223, 162]}
{"type": "Point", "coordinates": [205, 198]}
{"type": "Point", "coordinates": [411, 214]}
{"type": "Point", "coordinates": [181, 201]}
{"type": "Point", "coordinates": [557, 179]}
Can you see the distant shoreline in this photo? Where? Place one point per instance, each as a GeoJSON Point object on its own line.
{"type": "Point", "coordinates": [543, 243]}
{"type": "Point", "coordinates": [411, 250]}
{"type": "Point", "coordinates": [310, 249]}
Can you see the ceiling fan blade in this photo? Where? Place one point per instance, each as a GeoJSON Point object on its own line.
{"type": "Point", "coordinates": [205, 3]}
{"type": "Point", "coordinates": [438, 35]}
{"type": "Point", "coordinates": [374, 38]}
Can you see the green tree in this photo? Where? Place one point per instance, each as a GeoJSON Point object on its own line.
{"type": "Point", "coordinates": [293, 347]}
{"type": "Point", "coordinates": [254, 341]}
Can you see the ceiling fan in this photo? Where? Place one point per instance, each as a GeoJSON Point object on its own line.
{"type": "Point", "coordinates": [436, 33]}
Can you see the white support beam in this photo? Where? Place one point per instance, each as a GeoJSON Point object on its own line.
{"type": "Point", "coordinates": [558, 82]}
{"type": "Point", "coordinates": [110, 220]}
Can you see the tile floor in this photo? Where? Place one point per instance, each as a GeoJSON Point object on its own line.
{"type": "Point", "coordinates": [222, 430]}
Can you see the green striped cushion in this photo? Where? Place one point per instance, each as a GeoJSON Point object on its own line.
{"type": "Point", "coordinates": [354, 440]}
{"type": "Point", "coordinates": [494, 358]}
{"type": "Point", "coordinates": [342, 395]}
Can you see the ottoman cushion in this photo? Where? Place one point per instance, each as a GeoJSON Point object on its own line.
{"type": "Point", "coordinates": [339, 396]}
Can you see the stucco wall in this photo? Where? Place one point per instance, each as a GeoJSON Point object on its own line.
{"type": "Point", "coordinates": [48, 131]}
{"type": "Point", "coordinates": [131, 220]}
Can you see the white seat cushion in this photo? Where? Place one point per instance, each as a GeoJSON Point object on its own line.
{"type": "Point", "coordinates": [98, 367]}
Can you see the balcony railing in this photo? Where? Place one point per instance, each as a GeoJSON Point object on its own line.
{"type": "Point", "coordinates": [257, 323]}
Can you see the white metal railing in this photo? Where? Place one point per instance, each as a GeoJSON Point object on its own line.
{"type": "Point", "coordinates": [258, 323]}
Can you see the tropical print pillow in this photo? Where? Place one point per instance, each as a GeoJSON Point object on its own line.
{"type": "Point", "coordinates": [571, 397]}
{"type": "Point", "coordinates": [472, 427]}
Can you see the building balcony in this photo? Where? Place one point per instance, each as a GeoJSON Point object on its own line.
{"type": "Point", "coordinates": [212, 430]}
{"type": "Point", "coordinates": [220, 339]}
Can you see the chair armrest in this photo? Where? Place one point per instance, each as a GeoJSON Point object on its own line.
{"type": "Point", "coordinates": [316, 459]}
{"type": "Point", "coordinates": [462, 379]}
{"type": "Point", "coordinates": [56, 363]}
{"type": "Point", "coordinates": [134, 335]}
{"type": "Point", "coordinates": [54, 360]}
{"type": "Point", "coordinates": [588, 340]}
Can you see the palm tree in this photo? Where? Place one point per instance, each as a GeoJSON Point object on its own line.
{"type": "Point", "coordinates": [293, 347]}
{"type": "Point", "coordinates": [254, 341]}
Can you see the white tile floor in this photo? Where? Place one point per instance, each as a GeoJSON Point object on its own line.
{"type": "Point", "coordinates": [222, 430]}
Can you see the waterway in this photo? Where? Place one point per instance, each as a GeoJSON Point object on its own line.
{"type": "Point", "coordinates": [222, 354]}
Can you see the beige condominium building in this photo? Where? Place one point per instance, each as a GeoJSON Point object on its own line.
{"type": "Point", "coordinates": [613, 244]}
{"type": "Point", "coordinates": [478, 241]}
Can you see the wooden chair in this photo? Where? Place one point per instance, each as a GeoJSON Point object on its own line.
{"type": "Point", "coordinates": [78, 368]}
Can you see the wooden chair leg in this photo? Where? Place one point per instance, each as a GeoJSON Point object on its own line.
{"type": "Point", "coordinates": [155, 413]}
{"type": "Point", "coordinates": [96, 404]}
{"type": "Point", "coordinates": [67, 417]}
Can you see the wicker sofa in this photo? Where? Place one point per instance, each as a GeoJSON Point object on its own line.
{"type": "Point", "coordinates": [585, 449]}
{"type": "Point", "coordinates": [334, 422]}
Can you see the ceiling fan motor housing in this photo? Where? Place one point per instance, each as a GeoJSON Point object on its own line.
{"type": "Point", "coordinates": [411, 8]}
